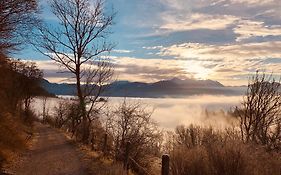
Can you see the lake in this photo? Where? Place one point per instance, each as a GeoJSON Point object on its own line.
{"type": "Point", "coordinates": [170, 112]}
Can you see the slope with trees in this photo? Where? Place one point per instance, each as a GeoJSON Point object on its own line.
{"type": "Point", "coordinates": [18, 80]}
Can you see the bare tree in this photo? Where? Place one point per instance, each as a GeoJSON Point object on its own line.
{"type": "Point", "coordinates": [24, 82]}
{"type": "Point", "coordinates": [80, 46]}
{"type": "Point", "coordinates": [132, 123]}
{"type": "Point", "coordinates": [17, 18]}
{"type": "Point", "coordinates": [260, 113]}
{"type": "Point", "coordinates": [30, 77]}
{"type": "Point", "coordinates": [62, 114]}
{"type": "Point", "coordinates": [19, 84]}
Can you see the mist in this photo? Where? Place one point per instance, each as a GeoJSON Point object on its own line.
{"type": "Point", "coordinates": [170, 112]}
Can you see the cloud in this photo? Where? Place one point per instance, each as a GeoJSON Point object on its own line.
{"type": "Point", "coordinates": [149, 70]}
{"type": "Point", "coordinates": [247, 29]}
{"type": "Point", "coordinates": [53, 71]}
{"type": "Point", "coordinates": [197, 21]}
{"type": "Point", "coordinates": [223, 62]}
{"type": "Point", "coordinates": [244, 17]}
{"type": "Point", "coordinates": [229, 64]}
{"type": "Point", "coordinates": [153, 47]}
{"type": "Point", "coordinates": [122, 51]}
{"type": "Point", "coordinates": [253, 2]}
{"type": "Point", "coordinates": [227, 52]}
{"type": "Point", "coordinates": [46, 64]}
{"type": "Point", "coordinates": [127, 68]}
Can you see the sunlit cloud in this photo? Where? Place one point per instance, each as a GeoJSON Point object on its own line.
{"type": "Point", "coordinates": [150, 70]}
{"type": "Point", "coordinates": [198, 21]}
{"type": "Point", "coordinates": [247, 29]}
{"type": "Point", "coordinates": [226, 52]}
{"type": "Point", "coordinates": [231, 65]}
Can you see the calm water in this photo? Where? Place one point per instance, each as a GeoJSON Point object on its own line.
{"type": "Point", "coordinates": [170, 112]}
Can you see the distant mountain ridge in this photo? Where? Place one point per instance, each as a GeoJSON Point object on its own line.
{"type": "Point", "coordinates": [189, 83]}
{"type": "Point", "coordinates": [166, 88]}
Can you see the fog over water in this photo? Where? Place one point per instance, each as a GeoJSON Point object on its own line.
{"type": "Point", "coordinates": [170, 112]}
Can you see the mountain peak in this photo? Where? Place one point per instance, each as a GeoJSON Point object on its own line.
{"type": "Point", "coordinates": [189, 82]}
{"type": "Point", "coordinates": [176, 80]}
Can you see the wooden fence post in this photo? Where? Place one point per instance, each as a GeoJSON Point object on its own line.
{"type": "Point", "coordinates": [165, 164]}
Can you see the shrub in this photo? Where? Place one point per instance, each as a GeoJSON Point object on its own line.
{"type": "Point", "coordinates": [134, 132]}
{"type": "Point", "coordinates": [219, 153]}
{"type": "Point", "coordinates": [260, 112]}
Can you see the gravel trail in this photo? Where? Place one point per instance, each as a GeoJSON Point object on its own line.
{"type": "Point", "coordinates": [52, 154]}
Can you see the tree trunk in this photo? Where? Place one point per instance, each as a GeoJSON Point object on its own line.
{"type": "Point", "coordinates": [82, 107]}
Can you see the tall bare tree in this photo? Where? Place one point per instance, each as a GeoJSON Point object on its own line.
{"type": "Point", "coordinates": [260, 113]}
{"type": "Point", "coordinates": [79, 45]}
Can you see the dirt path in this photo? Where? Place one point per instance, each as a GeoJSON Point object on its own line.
{"type": "Point", "coordinates": [52, 154]}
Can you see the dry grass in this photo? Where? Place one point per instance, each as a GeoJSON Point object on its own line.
{"type": "Point", "coordinates": [13, 137]}
{"type": "Point", "coordinates": [223, 155]}
{"type": "Point", "coordinates": [99, 164]}
{"type": "Point", "coordinates": [228, 160]}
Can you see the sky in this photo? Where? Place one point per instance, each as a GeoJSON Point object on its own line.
{"type": "Point", "coordinates": [222, 40]}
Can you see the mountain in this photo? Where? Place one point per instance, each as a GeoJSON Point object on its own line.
{"type": "Point", "coordinates": [59, 89]}
{"type": "Point", "coordinates": [165, 88]}
{"type": "Point", "coordinates": [188, 83]}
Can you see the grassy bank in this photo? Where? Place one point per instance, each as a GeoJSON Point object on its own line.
{"type": "Point", "coordinates": [14, 137]}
